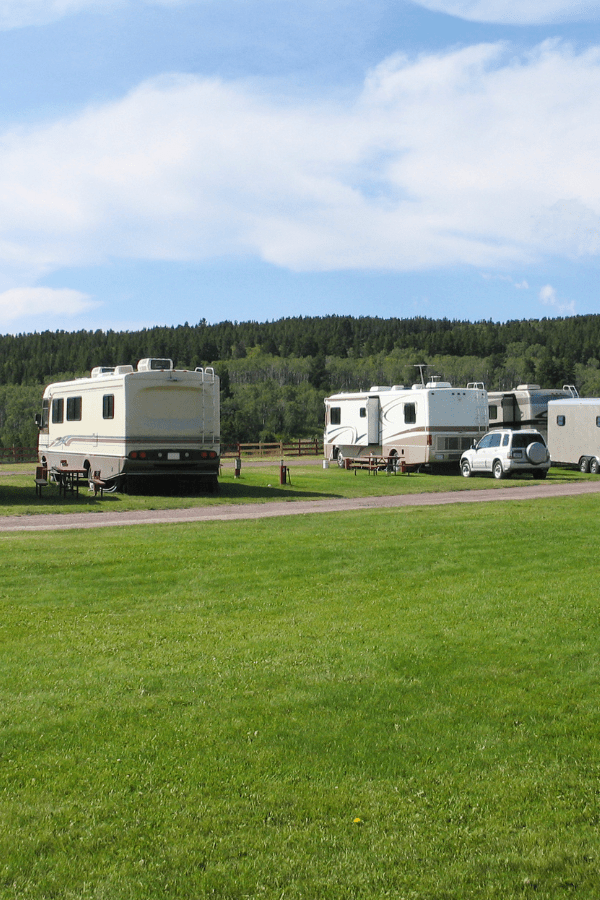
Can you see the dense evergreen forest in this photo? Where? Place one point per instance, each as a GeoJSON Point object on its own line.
{"type": "Point", "coordinates": [274, 375]}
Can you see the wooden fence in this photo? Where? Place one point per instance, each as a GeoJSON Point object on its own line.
{"type": "Point", "coordinates": [18, 454]}
{"type": "Point", "coordinates": [275, 448]}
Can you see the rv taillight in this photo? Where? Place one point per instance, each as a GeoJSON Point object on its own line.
{"type": "Point", "coordinates": [133, 454]}
{"type": "Point", "coordinates": [204, 454]}
{"type": "Point", "coordinates": [142, 454]}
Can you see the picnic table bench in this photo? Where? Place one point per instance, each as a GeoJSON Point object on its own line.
{"type": "Point", "coordinates": [374, 464]}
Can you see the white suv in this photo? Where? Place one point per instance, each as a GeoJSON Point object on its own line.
{"type": "Point", "coordinates": [504, 452]}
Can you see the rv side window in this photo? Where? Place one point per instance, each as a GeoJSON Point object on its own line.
{"type": "Point", "coordinates": [598, 421]}
{"type": "Point", "coordinates": [560, 420]}
{"type": "Point", "coordinates": [363, 412]}
{"type": "Point", "coordinates": [73, 409]}
{"type": "Point", "coordinates": [108, 406]}
{"type": "Point", "coordinates": [493, 412]}
{"type": "Point", "coordinates": [335, 414]}
{"type": "Point", "coordinates": [410, 413]}
{"type": "Point", "coordinates": [58, 413]}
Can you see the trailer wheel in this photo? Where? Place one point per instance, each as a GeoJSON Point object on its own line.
{"type": "Point", "coordinates": [497, 470]}
{"type": "Point", "coordinates": [584, 464]}
{"type": "Point", "coordinates": [594, 466]}
{"type": "Point", "coordinates": [465, 468]}
{"type": "Point", "coordinates": [340, 460]}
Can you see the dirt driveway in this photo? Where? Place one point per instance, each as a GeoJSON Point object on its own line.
{"type": "Point", "coordinates": [230, 513]}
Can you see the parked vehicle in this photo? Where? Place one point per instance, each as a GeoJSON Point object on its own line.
{"type": "Point", "coordinates": [525, 407]}
{"type": "Point", "coordinates": [574, 433]}
{"type": "Point", "coordinates": [506, 452]}
{"type": "Point", "coordinates": [123, 424]}
{"type": "Point", "coordinates": [427, 424]}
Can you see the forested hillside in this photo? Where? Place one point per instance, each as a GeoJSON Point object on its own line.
{"type": "Point", "coordinates": [275, 374]}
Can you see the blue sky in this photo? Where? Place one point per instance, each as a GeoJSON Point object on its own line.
{"type": "Point", "coordinates": [168, 161]}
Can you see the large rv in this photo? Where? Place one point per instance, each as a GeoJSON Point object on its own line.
{"type": "Point", "coordinates": [427, 424]}
{"type": "Point", "coordinates": [574, 433]}
{"type": "Point", "coordinates": [525, 407]}
{"type": "Point", "coordinates": [124, 424]}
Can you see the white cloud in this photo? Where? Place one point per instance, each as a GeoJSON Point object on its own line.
{"type": "Point", "coordinates": [21, 13]}
{"type": "Point", "coordinates": [472, 157]}
{"type": "Point", "coordinates": [61, 303]}
{"type": "Point", "coordinates": [517, 12]}
{"type": "Point", "coordinates": [548, 298]}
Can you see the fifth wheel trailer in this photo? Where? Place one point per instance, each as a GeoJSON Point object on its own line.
{"type": "Point", "coordinates": [574, 433]}
{"type": "Point", "coordinates": [127, 424]}
{"type": "Point", "coordinates": [525, 407]}
{"type": "Point", "coordinates": [427, 424]}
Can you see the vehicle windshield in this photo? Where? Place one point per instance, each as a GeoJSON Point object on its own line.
{"type": "Point", "coordinates": [523, 440]}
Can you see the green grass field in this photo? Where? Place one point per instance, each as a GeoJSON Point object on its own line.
{"type": "Point", "coordinates": [401, 703]}
{"type": "Point", "coordinates": [257, 485]}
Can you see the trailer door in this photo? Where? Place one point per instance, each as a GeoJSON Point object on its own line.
{"type": "Point", "coordinates": [373, 420]}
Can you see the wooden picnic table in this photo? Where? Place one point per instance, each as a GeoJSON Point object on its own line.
{"type": "Point", "coordinates": [374, 464]}
{"type": "Point", "coordinates": [69, 479]}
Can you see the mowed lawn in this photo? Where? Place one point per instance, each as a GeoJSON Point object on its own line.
{"type": "Point", "coordinates": [401, 703]}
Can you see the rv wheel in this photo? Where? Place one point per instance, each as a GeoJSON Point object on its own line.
{"type": "Point", "coordinates": [497, 470]}
{"type": "Point", "coordinates": [584, 464]}
{"type": "Point", "coordinates": [594, 466]}
{"type": "Point", "coordinates": [340, 460]}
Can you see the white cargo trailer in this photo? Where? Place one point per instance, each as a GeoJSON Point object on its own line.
{"type": "Point", "coordinates": [525, 407]}
{"type": "Point", "coordinates": [427, 424]}
{"type": "Point", "coordinates": [574, 433]}
{"type": "Point", "coordinates": [125, 424]}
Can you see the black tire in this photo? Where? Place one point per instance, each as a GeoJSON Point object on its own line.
{"type": "Point", "coordinates": [465, 468]}
{"type": "Point", "coordinates": [595, 466]}
{"type": "Point", "coordinates": [541, 475]}
{"type": "Point", "coordinates": [341, 461]}
{"type": "Point", "coordinates": [584, 464]}
{"type": "Point", "coordinates": [497, 470]}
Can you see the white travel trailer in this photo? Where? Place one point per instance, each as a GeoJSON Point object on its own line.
{"type": "Point", "coordinates": [525, 407]}
{"type": "Point", "coordinates": [124, 423]}
{"type": "Point", "coordinates": [427, 424]}
{"type": "Point", "coordinates": [574, 433]}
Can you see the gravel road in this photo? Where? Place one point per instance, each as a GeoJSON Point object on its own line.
{"type": "Point", "coordinates": [230, 513]}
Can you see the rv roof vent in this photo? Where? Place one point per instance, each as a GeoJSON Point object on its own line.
{"type": "Point", "coordinates": [381, 387]}
{"type": "Point", "coordinates": [438, 384]}
{"type": "Point", "coordinates": [398, 387]}
{"type": "Point", "coordinates": [97, 371]}
{"type": "Point", "coordinates": [528, 387]}
{"type": "Point", "coordinates": [153, 364]}
{"type": "Point", "coordinates": [123, 370]}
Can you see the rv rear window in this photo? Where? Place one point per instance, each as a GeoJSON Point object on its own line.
{"type": "Point", "coordinates": [108, 406]}
{"type": "Point", "coordinates": [335, 414]}
{"type": "Point", "coordinates": [410, 413]}
{"type": "Point", "coordinates": [73, 409]}
{"type": "Point", "coordinates": [560, 420]}
{"type": "Point", "coordinates": [58, 411]}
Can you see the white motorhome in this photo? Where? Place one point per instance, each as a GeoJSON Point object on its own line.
{"type": "Point", "coordinates": [574, 433]}
{"type": "Point", "coordinates": [124, 423]}
{"type": "Point", "coordinates": [426, 424]}
{"type": "Point", "coordinates": [525, 407]}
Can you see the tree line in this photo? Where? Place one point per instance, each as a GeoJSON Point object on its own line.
{"type": "Point", "coordinates": [274, 375]}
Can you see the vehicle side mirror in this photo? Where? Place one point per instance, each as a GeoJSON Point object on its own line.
{"type": "Point", "coordinates": [38, 420]}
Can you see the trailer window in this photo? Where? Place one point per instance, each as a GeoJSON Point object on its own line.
{"type": "Point", "coordinates": [493, 412]}
{"type": "Point", "coordinates": [410, 413]}
{"type": "Point", "coordinates": [73, 409]}
{"type": "Point", "coordinates": [597, 421]}
{"type": "Point", "coordinates": [560, 420]}
{"type": "Point", "coordinates": [58, 411]}
{"type": "Point", "coordinates": [335, 415]}
{"type": "Point", "coordinates": [108, 406]}
{"type": "Point", "coordinates": [363, 412]}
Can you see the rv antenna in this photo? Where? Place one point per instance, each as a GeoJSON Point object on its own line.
{"type": "Point", "coordinates": [421, 367]}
